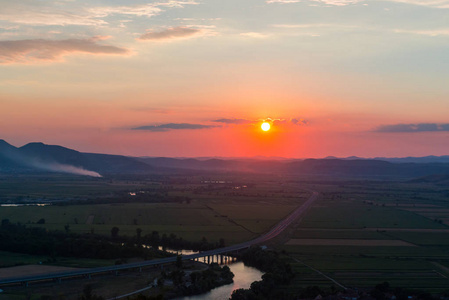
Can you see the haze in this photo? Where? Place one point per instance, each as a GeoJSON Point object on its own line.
{"type": "Point", "coordinates": [197, 78]}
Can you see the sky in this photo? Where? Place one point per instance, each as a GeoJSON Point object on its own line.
{"type": "Point", "coordinates": [190, 78]}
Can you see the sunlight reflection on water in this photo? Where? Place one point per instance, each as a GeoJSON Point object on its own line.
{"type": "Point", "coordinates": [243, 278]}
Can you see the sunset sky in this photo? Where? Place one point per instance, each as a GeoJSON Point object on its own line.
{"type": "Point", "coordinates": [197, 77]}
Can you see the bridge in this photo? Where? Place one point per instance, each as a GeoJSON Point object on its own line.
{"type": "Point", "coordinates": [274, 232]}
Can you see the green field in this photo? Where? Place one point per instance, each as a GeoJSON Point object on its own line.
{"type": "Point", "coordinates": [9, 259]}
{"type": "Point", "coordinates": [369, 212]}
{"type": "Point", "coordinates": [249, 206]}
{"type": "Point", "coordinates": [213, 211]}
{"type": "Point", "coordinates": [57, 187]}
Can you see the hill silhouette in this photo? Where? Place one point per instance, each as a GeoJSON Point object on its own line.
{"type": "Point", "coordinates": [39, 157]}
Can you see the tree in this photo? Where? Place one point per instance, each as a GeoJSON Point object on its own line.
{"type": "Point", "coordinates": [88, 295]}
{"type": "Point", "coordinates": [138, 233]}
{"type": "Point", "coordinates": [114, 232]}
{"type": "Point", "coordinates": [179, 261]}
{"type": "Point", "coordinates": [5, 222]}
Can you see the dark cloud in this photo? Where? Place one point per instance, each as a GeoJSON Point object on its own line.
{"type": "Point", "coordinates": [299, 121]}
{"type": "Point", "coordinates": [34, 50]}
{"type": "Point", "coordinates": [170, 33]}
{"type": "Point", "coordinates": [233, 121]}
{"type": "Point", "coordinates": [420, 127]}
{"type": "Point", "coordinates": [287, 121]}
{"type": "Point", "coordinates": [173, 126]}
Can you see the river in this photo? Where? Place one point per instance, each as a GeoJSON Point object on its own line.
{"type": "Point", "coordinates": [243, 278]}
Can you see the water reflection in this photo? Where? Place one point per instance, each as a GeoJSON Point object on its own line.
{"type": "Point", "coordinates": [244, 276]}
{"type": "Point", "coordinates": [25, 204]}
{"type": "Point", "coordinates": [219, 258]}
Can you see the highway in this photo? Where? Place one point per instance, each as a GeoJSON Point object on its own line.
{"type": "Point", "coordinates": [274, 232]}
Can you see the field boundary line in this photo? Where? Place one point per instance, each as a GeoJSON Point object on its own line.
{"type": "Point", "coordinates": [319, 272]}
{"type": "Point", "coordinates": [231, 220]}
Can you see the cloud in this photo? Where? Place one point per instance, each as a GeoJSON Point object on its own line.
{"type": "Point", "coordinates": [256, 35]}
{"type": "Point", "coordinates": [295, 121]}
{"type": "Point", "coordinates": [148, 10]}
{"type": "Point", "coordinates": [41, 50]}
{"type": "Point", "coordinates": [339, 2]}
{"type": "Point", "coordinates": [283, 1]}
{"type": "Point", "coordinates": [429, 3]}
{"type": "Point", "coordinates": [299, 121]}
{"type": "Point", "coordinates": [329, 2]}
{"type": "Point", "coordinates": [173, 126]}
{"type": "Point", "coordinates": [434, 32]}
{"type": "Point", "coordinates": [170, 33]}
{"type": "Point", "coordinates": [420, 127]}
{"type": "Point", "coordinates": [32, 12]}
{"type": "Point", "coordinates": [234, 121]}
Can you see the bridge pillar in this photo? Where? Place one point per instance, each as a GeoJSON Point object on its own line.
{"type": "Point", "coordinates": [208, 260]}
{"type": "Point", "coordinates": [221, 259]}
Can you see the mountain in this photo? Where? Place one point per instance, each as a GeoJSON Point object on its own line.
{"type": "Point", "coordinates": [7, 159]}
{"type": "Point", "coordinates": [366, 168]}
{"type": "Point", "coordinates": [436, 179]}
{"type": "Point", "coordinates": [40, 157]}
{"type": "Point", "coordinates": [419, 160]}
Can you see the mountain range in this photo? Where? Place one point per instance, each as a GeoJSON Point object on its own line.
{"type": "Point", "coordinates": [42, 158]}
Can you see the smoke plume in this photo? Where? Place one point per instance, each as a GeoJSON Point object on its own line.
{"type": "Point", "coordinates": [57, 167]}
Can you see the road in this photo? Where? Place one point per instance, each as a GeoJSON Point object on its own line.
{"type": "Point", "coordinates": [274, 232]}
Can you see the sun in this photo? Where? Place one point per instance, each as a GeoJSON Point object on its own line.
{"type": "Point", "coordinates": [265, 126]}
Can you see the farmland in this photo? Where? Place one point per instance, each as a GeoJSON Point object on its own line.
{"type": "Point", "coordinates": [358, 233]}
{"type": "Point", "coordinates": [233, 212]}
{"type": "Point", "coordinates": [363, 236]}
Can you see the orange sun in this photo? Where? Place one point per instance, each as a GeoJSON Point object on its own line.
{"type": "Point", "coordinates": [265, 126]}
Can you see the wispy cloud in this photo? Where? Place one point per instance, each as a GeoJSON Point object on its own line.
{"type": "Point", "coordinates": [274, 121]}
{"type": "Point", "coordinates": [429, 3]}
{"type": "Point", "coordinates": [173, 126]}
{"type": "Point", "coordinates": [233, 121]}
{"type": "Point", "coordinates": [170, 33]}
{"type": "Point", "coordinates": [294, 121]}
{"type": "Point", "coordinates": [44, 13]}
{"type": "Point", "coordinates": [328, 2]}
{"type": "Point", "coordinates": [339, 2]}
{"type": "Point", "coordinates": [256, 35]}
{"type": "Point", "coordinates": [41, 50]}
{"type": "Point", "coordinates": [283, 1]}
{"type": "Point", "coordinates": [148, 10]}
{"type": "Point", "coordinates": [431, 32]}
{"type": "Point", "coordinates": [63, 13]}
{"type": "Point", "coordinates": [420, 127]}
